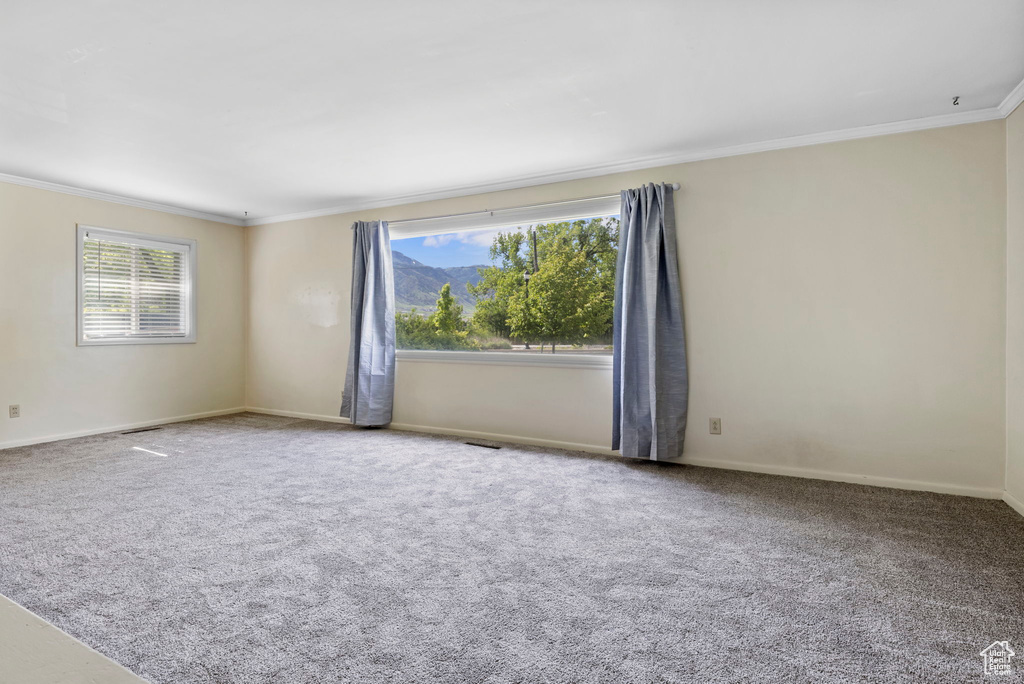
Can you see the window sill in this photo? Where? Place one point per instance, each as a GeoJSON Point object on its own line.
{"type": "Point", "coordinates": [140, 340]}
{"type": "Point", "coordinates": [556, 360]}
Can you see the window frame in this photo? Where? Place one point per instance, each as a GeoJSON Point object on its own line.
{"type": "Point", "coordinates": [143, 240]}
{"type": "Point", "coordinates": [569, 210]}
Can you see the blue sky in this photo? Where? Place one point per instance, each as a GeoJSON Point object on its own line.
{"type": "Point", "coordinates": [468, 248]}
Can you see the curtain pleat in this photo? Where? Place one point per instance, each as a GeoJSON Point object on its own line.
{"type": "Point", "coordinates": [370, 378]}
{"type": "Point", "coordinates": [650, 384]}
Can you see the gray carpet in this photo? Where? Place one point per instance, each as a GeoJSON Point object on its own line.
{"type": "Point", "coordinates": [267, 549]}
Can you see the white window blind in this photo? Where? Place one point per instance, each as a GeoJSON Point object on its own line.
{"type": "Point", "coordinates": [135, 288]}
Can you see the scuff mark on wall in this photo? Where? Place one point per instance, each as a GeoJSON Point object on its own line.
{"type": "Point", "coordinates": [318, 306]}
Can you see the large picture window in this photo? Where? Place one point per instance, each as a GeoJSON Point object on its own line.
{"type": "Point", "coordinates": [535, 286]}
{"type": "Point", "coordinates": [135, 288]}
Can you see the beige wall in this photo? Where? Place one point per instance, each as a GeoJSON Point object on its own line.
{"type": "Point", "coordinates": [64, 389]}
{"type": "Point", "coordinates": [845, 308]}
{"type": "Point", "coordinates": [1015, 308]}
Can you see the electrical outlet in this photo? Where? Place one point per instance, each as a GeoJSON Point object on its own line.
{"type": "Point", "coordinates": [15, 410]}
{"type": "Point", "coordinates": [716, 426]}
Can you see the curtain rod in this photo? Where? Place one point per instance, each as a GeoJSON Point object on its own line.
{"type": "Point", "coordinates": [674, 186]}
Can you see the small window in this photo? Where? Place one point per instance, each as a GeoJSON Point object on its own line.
{"type": "Point", "coordinates": [530, 281]}
{"type": "Point", "coordinates": [135, 288]}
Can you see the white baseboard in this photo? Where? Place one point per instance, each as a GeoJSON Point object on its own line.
{"type": "Point", "coordinates": [873, 480]}
{"type": "Point", "coordinates": [296, 414]}
{"type": "Point", "coordinates": [118, 428]}
{"type": "Point", "coordinates": [1013, 502]}
{"type": "Point", "coordinates": [512, 439]}
{"type": "Point", "coordinates": [408, 427]}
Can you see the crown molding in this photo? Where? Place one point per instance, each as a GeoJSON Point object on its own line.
{"type": "Point", "coordinates": [1012, 100]}
{"type": "Point", "coordinates": [653, 162]}
{"type": "Point", "coordinates": [117, 199]}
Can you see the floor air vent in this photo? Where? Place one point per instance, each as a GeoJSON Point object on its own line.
{"type": "Point", "coordinates": [149, 429]}
{"type": "Point", "coordinates": [485, 446]}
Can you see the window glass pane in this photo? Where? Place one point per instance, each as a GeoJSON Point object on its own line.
{"type": "Point", "coordinates": [541, 288]}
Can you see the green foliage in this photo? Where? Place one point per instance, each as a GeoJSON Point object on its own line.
{"type": "Point", "coordinates": [570, 297]}
{"type": "Point", "coordinates": [445, 329]}
{"type": "Point", "coordinates": [494, 343]}
{"type": "Point", "coordinates": [448, 315]}
{"type": "Point", "coordinates": [499, 283]}
{"type": "Point", "coordinates": [567, 304]}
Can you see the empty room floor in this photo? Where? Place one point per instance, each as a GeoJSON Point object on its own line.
{"type": "Point", "coordinates": [251, 548]}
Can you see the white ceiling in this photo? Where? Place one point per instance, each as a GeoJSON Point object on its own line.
{"type": "Point", "coordinates": [281, 107]}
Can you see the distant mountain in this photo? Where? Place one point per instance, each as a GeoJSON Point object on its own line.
{"type": "Point", "coordinates": [418, 285]}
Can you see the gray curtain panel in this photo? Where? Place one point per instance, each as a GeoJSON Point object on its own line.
{"type": "Point", "coordinates": [370, 380]}
{"type": "Point", "coordinates": [650, 386]}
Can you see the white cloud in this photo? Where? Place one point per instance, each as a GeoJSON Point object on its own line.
{"type": "Point", "coordinates": [438, 240]}
{"type": "Point", "coordinates": [481, 238]}
{"type": "Point", "coordinates": [485, 237]}
{"type": "Point", "coordinates": [477, 238]}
